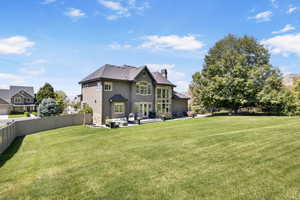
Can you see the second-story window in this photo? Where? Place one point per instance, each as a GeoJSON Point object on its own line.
{"type": "Point", "coordinates": [107, 86]}
{"type": "Point", "coordinates": [18, 100]}
{"type": "Point", "coordinates": [143, 88]}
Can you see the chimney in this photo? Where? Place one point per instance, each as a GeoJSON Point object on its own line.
{"type": "Point", "coordinates": [164, 72]}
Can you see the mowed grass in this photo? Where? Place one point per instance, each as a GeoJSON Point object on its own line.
{"type": "Point", "coordinates": [215, 158]}
{"type": "Point", "coordinates": [16, 116]}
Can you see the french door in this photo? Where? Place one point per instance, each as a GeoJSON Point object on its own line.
{"type": "Point", "coordinates": [144, 109]}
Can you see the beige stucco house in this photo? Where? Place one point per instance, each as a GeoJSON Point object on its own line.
{"type": "Point", "coordinates": [17, 98]}
{"type": "Point", "coordinates": [116, 91]}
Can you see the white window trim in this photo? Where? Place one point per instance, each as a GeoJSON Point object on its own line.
{"type": "Point", "coordinates": [110, 84]}
{"type": "Point", "coordinates": [159, 100]}
{"type": "Point", "coordinates": [149, 86]}
{"type": "Point", "coordinates": [119, 104]}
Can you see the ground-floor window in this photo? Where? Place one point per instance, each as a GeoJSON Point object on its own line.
{"type": "Point", "coordinates": [119, 108]}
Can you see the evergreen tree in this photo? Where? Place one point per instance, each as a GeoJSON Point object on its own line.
{"type": "Point", "coordinates": [48, 107]}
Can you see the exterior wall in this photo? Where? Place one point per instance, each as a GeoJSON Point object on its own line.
{"type": "Point", "coordinates": [92, 96]}
{"type": "Point", "coordinates": [136, 98]}
{"type": "Point", "coordinates": [21, 128]}
{"type": "Point", "coordinates": [179, 106]}
{"type": "Point", "coordinates": [118, 87]}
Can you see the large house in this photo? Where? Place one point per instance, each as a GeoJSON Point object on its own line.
{"type": "Point", "coordinates": [17, 98]}
{"type": "Point", "coordinates": [116, 91]}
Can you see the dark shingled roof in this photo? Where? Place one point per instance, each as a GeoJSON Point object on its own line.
{"type": "Point", "coordinates": [160, 79]}
{"type": "Point", "coordinates": [13, 90]}
{"type": "Point", "coordinates": [124, 73]}
{"type": "Point", "coordinates": [177, 95]}
{"type": "Point", "coordinates": [4, 95]}
{"type": "Point", "coordinates": [7, 94]}
{"type": "Point", "coordinates": [117, 98]}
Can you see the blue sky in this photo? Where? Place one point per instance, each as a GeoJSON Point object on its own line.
{"type": "Point", "coordinates": [62, 41]}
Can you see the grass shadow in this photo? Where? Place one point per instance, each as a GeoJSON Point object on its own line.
{"type": "Point", "coordinates": [11, 150]}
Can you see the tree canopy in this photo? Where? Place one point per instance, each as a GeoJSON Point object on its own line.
{"type": "Point", "coordinates": [236, 74]}
{"type": "Point", "coordinates": [61, 98]}
{"type": "Point", "coordinates": [47, 91]}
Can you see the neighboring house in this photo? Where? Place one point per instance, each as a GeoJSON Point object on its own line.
{"type": "Point", "coordinates": [17, 98]}
{"type": "Point", "coordinates": [116, 91]}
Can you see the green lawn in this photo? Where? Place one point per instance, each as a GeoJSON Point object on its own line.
{"type": "Point", "coordinates": [16, 116]}
{"type": "Point", "coordinates": [216, 158]}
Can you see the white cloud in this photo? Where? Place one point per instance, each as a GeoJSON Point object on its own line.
{"type": "Point", "coordinates": [263, 16]}
{"type": "Point", "coordinates": [33, 71]}
{"type": "Point", "coordinates": [291, 10]}
{"type": "Point", "coordinates": [283, 44]}
{"type": "Point", "coordinates": [115, 6]}
{"type": "Point", "coordinates": [118, 46]}
{"type": "Point", "coordinates": [10, 76]}
{"type": "Point", "coordinates": [174, 42]}
{"type": "Point", "coordinates": [74, 13]}
{"type": "Point", "coordinates": [285, 29]}
{"type": "Point", "coordinates": [15, 45]}
{"type": "Point", "coordinates": [123, 8]}
{"type": "Point", "coordinates": [178, 78]}
{"type": "Point", "coordinates": [22, 76]}
{"type": "Point", "coordinates": [48, 1]}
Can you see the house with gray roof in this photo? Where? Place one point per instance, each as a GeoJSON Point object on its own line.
{"type": "Point", "coordinates": [17, 98]}
{"type": "Point", "coordinates": [116, 91]}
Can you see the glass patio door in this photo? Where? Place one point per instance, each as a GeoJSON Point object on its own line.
{"type": "Point", "coordinates": [144, 109]}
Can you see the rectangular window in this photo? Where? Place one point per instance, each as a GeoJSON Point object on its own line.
{"type": "Point", "coordinates": [119, 108]}
{"type": "Point", "coordinates": [143, 88]}
{"type": "Point", "coordinates": [107, 86]}
{"type": "Point", "coordinates": [163, 100]}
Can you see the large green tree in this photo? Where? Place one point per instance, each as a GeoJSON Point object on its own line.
{"type": "Point", "coordinates": [47, 91]}
{"type": "Point", "coordinates": [235, 71]}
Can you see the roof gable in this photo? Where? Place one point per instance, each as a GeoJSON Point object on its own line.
{"type": "Point", "coordinates": [13, 90]}
{"type": "Point", "coordinates": [22, 93]}
{"type": "Point", "coordinates": [143, 69]}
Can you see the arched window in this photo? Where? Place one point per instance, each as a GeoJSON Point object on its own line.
{"type": "Point", "coordinates": [143, 88]}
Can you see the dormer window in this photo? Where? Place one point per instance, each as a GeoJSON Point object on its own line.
{"type": "Point", "coordinates": [107, 86]}
{"type": "Point", "coordinates": [143, 88]}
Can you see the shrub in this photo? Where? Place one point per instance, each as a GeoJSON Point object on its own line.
{"type": "Point", "coordinates": [86, 109]}
{"type": "Point", "coordinates": [48, 107]}
{"type": "Point", "coordinates": [26, 114]}
{"type": "Point", "coordinates": [166, 116]}
{"type": "Point", "coordinates": [34, 113]}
